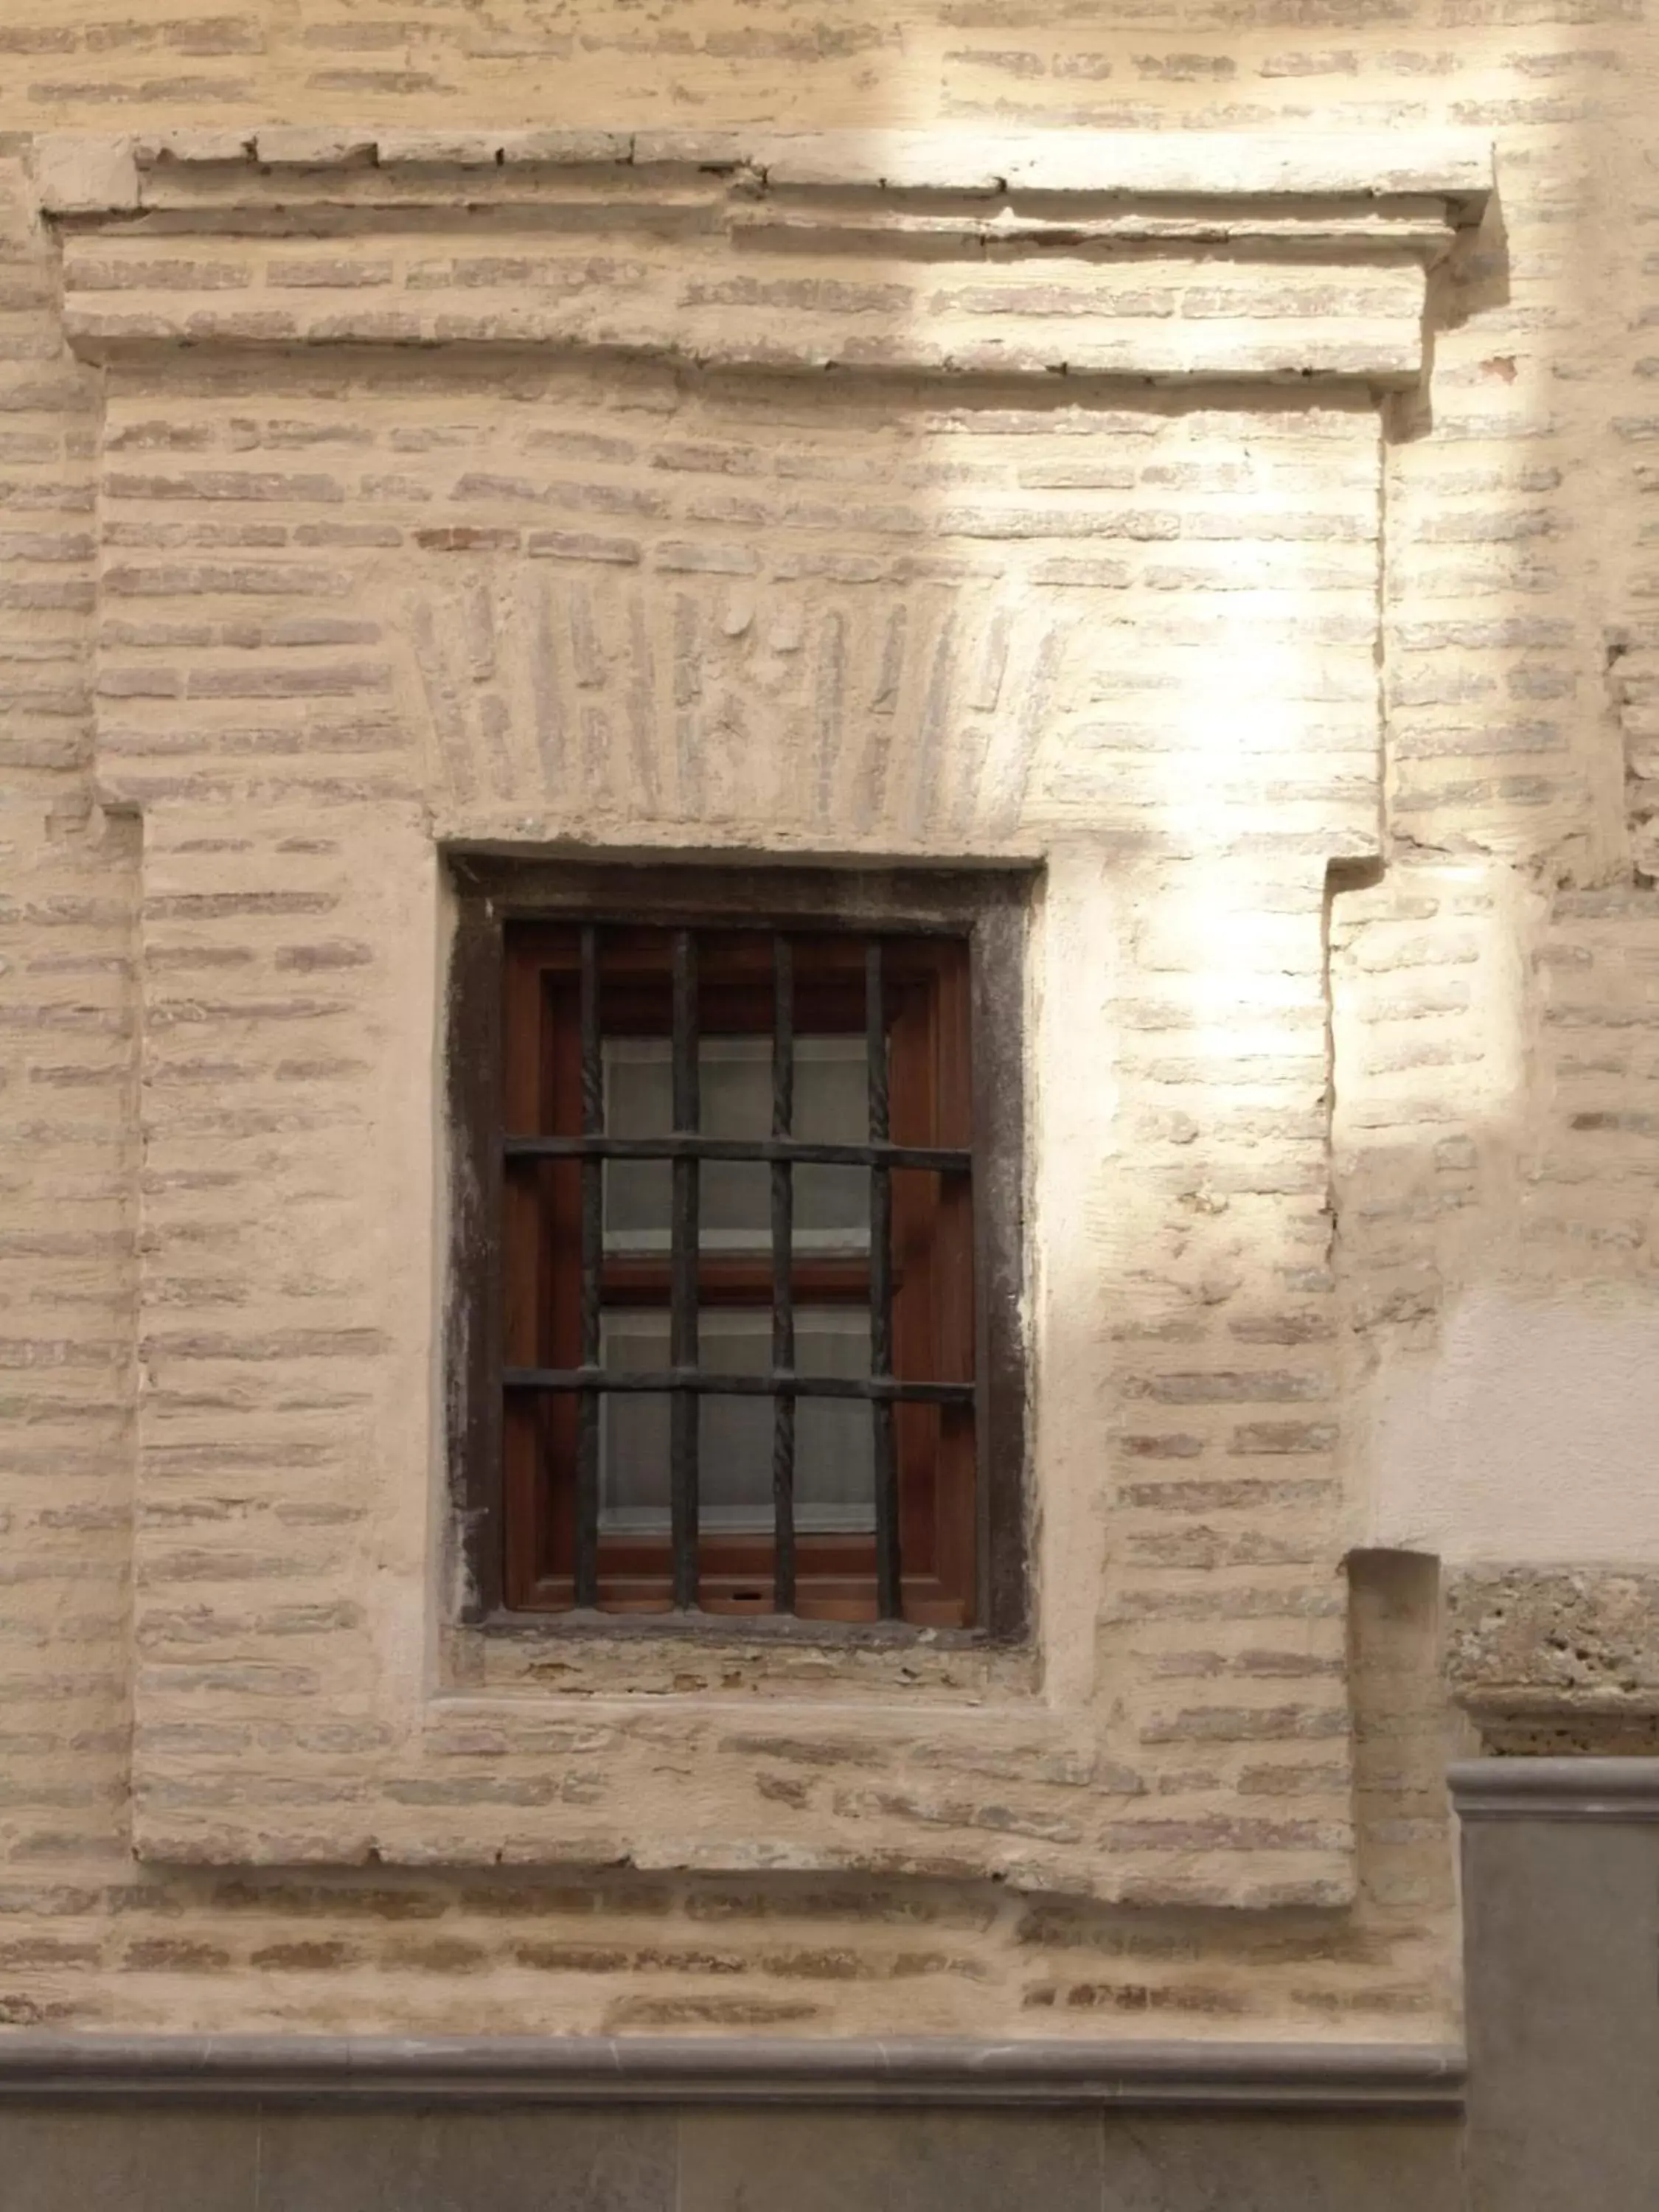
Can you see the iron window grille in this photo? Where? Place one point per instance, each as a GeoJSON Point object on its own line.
{"type": "Point", "coordinates": [804, 981]}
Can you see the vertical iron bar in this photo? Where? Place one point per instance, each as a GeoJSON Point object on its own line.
{"type": "Point", "coordinates": [889, 1596]}
{"type": "Point", "coordinates": [783, 1288]}
{"type": "Point", "coordinates": [682, 1289]}
{"type": "Point", "coordinates": [592, 1172]}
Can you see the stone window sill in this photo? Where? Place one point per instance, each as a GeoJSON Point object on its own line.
{"type": "Point", "coordinates": [651, 1655]}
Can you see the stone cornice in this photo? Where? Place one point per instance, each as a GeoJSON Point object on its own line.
{"type": "Point", "coordinates": [1168, 258]}
{"type": "Point", "coordinates": [94, 174]}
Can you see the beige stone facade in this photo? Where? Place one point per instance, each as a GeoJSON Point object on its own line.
{"type": "Point", "coordinates": [1196, 461]}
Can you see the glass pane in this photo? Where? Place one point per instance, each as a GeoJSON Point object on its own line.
{"type": "Point", "coordinates": [832, 1107]}
{"type": "Point", "coordinates": [639, 1102]}
{"type": "Point", "coordinates": [834, 1459]}
{"type": "Point", "coordinates": [634, 1429]}
{"type": "Point", "coordinates": [832, 1205]}
{"type": "Point", "coordinates": [736, 1102]}
{"type": "Point", "coordinates": [834, 1449]}
{"type": "Point", "coordinates": [736, 1433]}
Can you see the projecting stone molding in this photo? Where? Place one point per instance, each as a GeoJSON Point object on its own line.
{"type": "Point", "coordinates": [487, 492]}
{"type": "Point", "coordinates": [938, 253]}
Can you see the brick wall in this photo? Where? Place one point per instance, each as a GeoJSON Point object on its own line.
{"type": "Point", "coordinates": [1489, 990]}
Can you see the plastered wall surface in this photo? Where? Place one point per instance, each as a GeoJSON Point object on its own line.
{"type": "Point", "coordinates": [1317, 1149]}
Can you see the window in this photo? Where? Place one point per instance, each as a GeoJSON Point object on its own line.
{"type": "Point", "coordinates": [743, 1360]}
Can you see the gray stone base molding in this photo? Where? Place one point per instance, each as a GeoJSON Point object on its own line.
{"type": "Point", "coordinates": [1286, 2077]}
{"type": "Point", "coordinates": [774, 2158]}
{"type": "Point", "coordinates": [1561, 1928]}
{"type": "Point", "coordinates": [1555, 1789]}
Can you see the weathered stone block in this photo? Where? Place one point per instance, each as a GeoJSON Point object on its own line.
{"type": "Point", "coordinates": [1556, 1660]}
{"type": "Point", "coordinates": [79, 173]}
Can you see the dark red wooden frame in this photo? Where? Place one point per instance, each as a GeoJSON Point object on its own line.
{"type": "Point", "coordinates": [927, 1017]}
{"type": "Point", "coordinates": [493, 892]}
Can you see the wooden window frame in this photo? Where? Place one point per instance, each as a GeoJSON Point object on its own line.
{"type": "Point", "coordinates": [983, 913]}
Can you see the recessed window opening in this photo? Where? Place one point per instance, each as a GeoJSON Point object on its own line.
{"type": "Point", "coordinates": [739, 1273]}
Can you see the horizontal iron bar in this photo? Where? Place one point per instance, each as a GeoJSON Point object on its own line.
{"type": "Point", "coordinates": [938, 1159]}
{"type": "Point", "coordinates": [777, 1384]}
